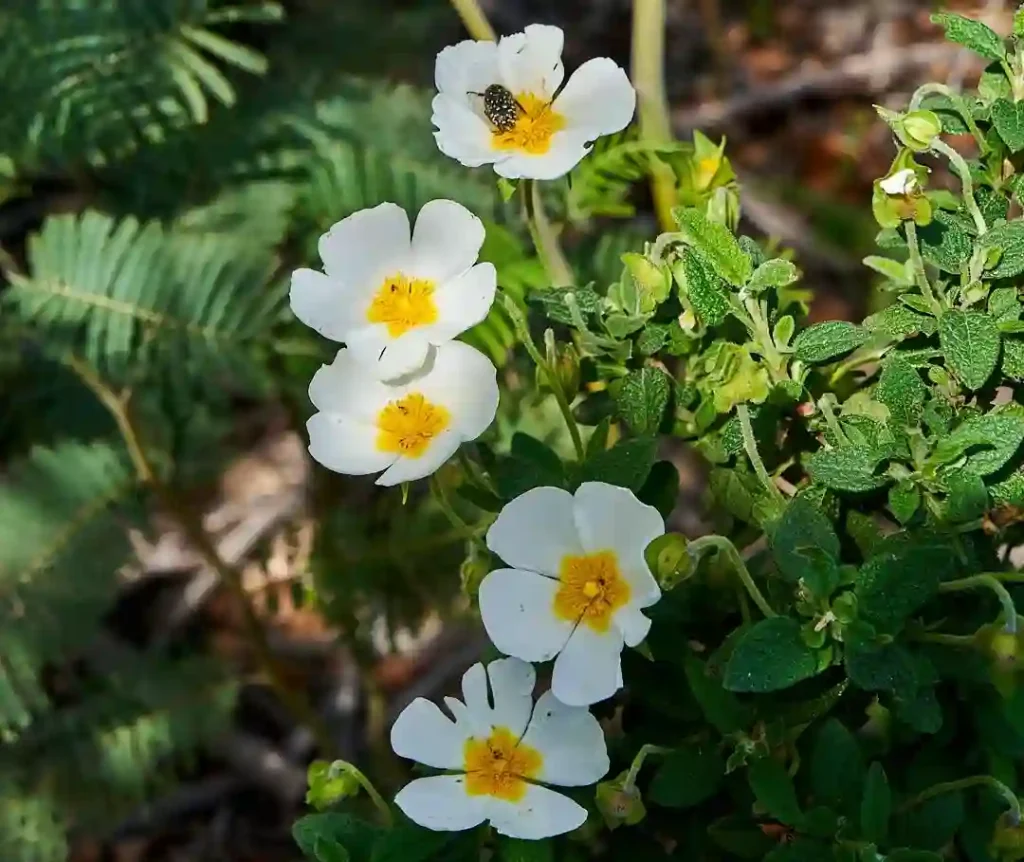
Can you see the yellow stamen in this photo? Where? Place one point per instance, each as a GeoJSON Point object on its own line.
{"type": "Point", "coordinates": [407, 426]}
{"type": "Point", "coordinates": [403, 303]}
{"type": "Point", "coordinates": [500, 765]}
{"type": "Point", "coordinates": [592, 589]}
{"type": "Point", "coordinates": [536, 125]}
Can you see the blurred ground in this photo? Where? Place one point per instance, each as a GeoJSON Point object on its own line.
{"type": "Point", "coordinates": [791, 83]}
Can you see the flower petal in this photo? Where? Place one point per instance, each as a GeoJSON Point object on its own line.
{"type": "Point", "coordinates": [462, 134]}
{"type": "Point", "coordinates": [467, 67]}
{"type": "Point", "coordinates": [612, 518]}
{"type": "Point", "coordinates": [463, 302]}
{"type": "Point", "coordinates": [344, 388]}
{"type": "Point", "coordinates": [441, 448]}
{"type": "Point", "coordinates": [589, 668]}
{"type": "Point", "coordinates": [320, 302]}
{"type": "Point", "coordinates": [512, 683]}
{"type": "Point", "coordinates": [405, 355]}
{"type": "Point", "coordinates": [442, 804]}
{"type": "Point", "coordinates": [535, 531]}
{"type": "Point", "coordinates": [425, 734]}
{"type": "Point", "coordinates": [571, 742]}
{"type": "Point", "coordinates": [466, 383]}
{"type": "Point", "coordinates": [362, 249]}
{"type": "Point", "coordinates": [633, 624]}
{"type": "Point", "coordinates": [446, 240]}
{"type": "Point", "coordinates": [567, 150]}
{"type": "Point", "coordinates": [346, 446]}
{"type": "Point", "coordinates": [531, 61]}
{"type": "Point", "coordinates": [541, 813]}
{"type": "Point", "coordinates": [597, 99]}
{"type": "Point", "coordinates": [517, 608]}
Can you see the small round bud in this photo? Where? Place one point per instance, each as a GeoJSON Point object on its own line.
{"type": "Point", "coordinates": [669, 560]}
{"type": "Point", "coordinates": [619, 805]}
{"type": "Point", "coordinates": [328, 784]}
{"type": "Point", "coordinates": [918, 129]}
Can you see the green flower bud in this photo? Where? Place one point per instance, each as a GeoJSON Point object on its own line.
{"type": "Point", "coordinates": [328, 784]}
{"type": "Point", "coordinates": [564, 361]}
{"type": "Point", "coordinates": [919, 129]}
{"type": "Point", "coordinates": [653, 281]}
{"type": "Point", "coordinates": [619, 805]}
{"type": "Point", "coordinates": [1007, 843]}
{"type": "Point", "coordinates": [669, 560]}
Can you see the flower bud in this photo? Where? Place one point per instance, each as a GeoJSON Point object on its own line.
{"type": "Point", "coordinates": [619, 805]}
{"type": "Point", "coordinates": [328, 784]}
{"type": "Point", "coordinates": [1007, 843]}
{"type": "Point", "coordinates": [919, 129]}
{"type": "Point", "coordinates": [669, 560]}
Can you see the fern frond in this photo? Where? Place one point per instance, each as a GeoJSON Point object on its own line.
{"type": "Point", "coordinates": [126, 296]}
{"type": "Point", "coordinates": [61, 543]}
{"type": "Point", "coordinates": [600, 184]}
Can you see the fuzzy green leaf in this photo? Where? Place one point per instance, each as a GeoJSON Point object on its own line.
{"type": "Point", "coordinates": [770, 655]}
{"type": "Point", "coordinates": [946, 242]}
{"type": "Point", "coordinates": [774, 273]}
{"type": "Point", "coordinates": [716, 242]}
{"type": "Point", "coordinates": [355, 835]}
{"type": "Point", "coordinates": [803, 527]}
{"type": "Point", "coordinates": [1009, 121]}
{"type": "Point", "coordinates": [876, 805]}
{"type": "Point", "coordinates": [972, 34]}
{"type": "Point", "coordinates": [904, 501]}
{"type": "Point", "coordinates": [703, 288]}
{"type": "Point", "coordinates": [829, 340]}
{"type": "Point", "coordinates": [901, 389]}
{"type": "Point", "coordinates": [720, 707]}
{"type": "Point", "coordinates": [849, 469]}
{"type": "Point", "coordinates": [837, 766]}
{"type": "Point", "coordinates": [643, 398]}
{"type": "Point", "coordinates": [688, 776]}
{"type": "Point", "coordinates": [897, 321]}
{"type": "Point", "coordinates": [1009, 238]}
{"type": "Point", "coordinates": [552, 300]}
{"type": "Point", "coordinates": [888, 668]}
{"type": "Point", "coordinates": [970, 342]}
{"type": "Point", "coordinates": [773, 788]}
{"type": "Point", "coordinates": [1013, 358]}
{"type": "Point", "coordinates": [893, 585]}
{"type": "Point", "coordinates": [990, 441]}
{"type": "Point", "coordinates": [626, 464]}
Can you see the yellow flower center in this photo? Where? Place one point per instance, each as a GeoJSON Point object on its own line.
{"type": "Point", "coordinates": [500, 765]}
{"type": "Point", "coordinates": [403, 303]}
{"type": "Point", "coordinates": [592, 589]}
{"type": "Point", "coordinates": [534, 128]}
{"type": "Point", "coordinates": [406, 426]}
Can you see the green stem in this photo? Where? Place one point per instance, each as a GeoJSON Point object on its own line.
{"type": "Point", "coordinates": [545, 240]}
{"type": "Point", "coordinates": [959, 641]}
{"type": "Point", "coordinates": [523, 332]}
{"type": "Point", "coordinates": [964, 784]}
{"type": "Point", "coordinates": [750, 446]}
{"type": "Point", "coordinates": [918, 264]}
{"type": "Point", "coordinates": [964, 172]}
{"type": "Point", "coordinates": [991, 583]}
{"type": "Point", "coordinates": [762, 335]}
{"type": "Point", "coordinates": [638, 761]}
{"type": "Point", "coordinates": [648, 67]}
{"type": "Point", "coordinates": [1009, 577]}
{"type": "Point", "coordinates": [440, 496]}
{"type": "Point", "coordinates": [723, 545]}
{"type": "Point", "coordinates": [367, 785]}
{"type": "Point", "coordinates": [825, 406]}
{"type": "Point", "coordinates": [958, 102]}
{"type": "Point", "coordinates": [855, 362]}
{"type": "Point", "coordinates": [474, 20]}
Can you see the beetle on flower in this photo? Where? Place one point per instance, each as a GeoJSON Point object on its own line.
{"type": "Point", "coordinates": [406, 429]}
{"type": "Point", "coordinates": [389, 298]}
{"type": "Point", "coordinates": [500, 103]}
{"type": "Point", "coordinates": [577, 583]}
{"type": "Point", "coordinates": [500, 751]}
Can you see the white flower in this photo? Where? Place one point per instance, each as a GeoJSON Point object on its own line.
{"type": "Point", "coordinates": [521, 126]}
{"type": "Point", "coordinates": [900, 183]}
{"type": "Point", "coordinates": [407, 429]}
{"type": "Point", "coordinates": [501, 754]}
{"type": "Point", "coordinates": [578, 582]}
{"type": "Point", "coordinates": [389, 298]}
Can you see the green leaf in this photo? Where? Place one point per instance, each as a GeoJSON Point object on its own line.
{"type": "Point", "coordinates": [968, 497]}
{"type": "Point", "coordinates": [523, 850]}
{"type": "Point", "coordinates": [716, 242]}
{"type": "Point", "coordinates": [328, 850]}
{"type": "Point", "coordinates": [407, 842]}
{"type": "Point", "coordinates": [720, 707]}
{"type": "Point", "coordinates": [829, 340]}
{"type": "Point", "coordinates": [705, 290]}
{"type": "Point", "coordinates": [848, 469]}
{"type": "Point", "coordinates": [875, 806]}
{"type": "Point", "coordinates": [989, 442]}
{"type": "Point", "coordinates": [626, 464]}
{"type": "Point", "coordinates": [774, 789]}
{"type": "Point", "coordinates": [769, 656]}
{"type": "Point", "coordinates": [688, 776]}
{"type": "Point", "coordinates": [970, 342]}
{"type": "Point", "coordinates": [643, 398]}
{"type": "Point", "coordinates": [734, 491]}
{"type": "Point", "coordinates": [803, 526]}
{"type": "Point", "coordinates": [893, 270]}
{"type": "Point", "coordinates": [1009, 121]}
{"type": "Point", "coordinates": [893, 585]}
{"type": "Point", "coordinates": [899, 322]}
{"type": "Point", "coordinates": [932, 824]}
{"type": "Point", "coordinates": [901, 389]}
{"type": "Point", "coordinates": [661, 488]}
{"type": "Point", "coordinates": [888, 668]}
{"type": "Point", "coordinates": [946, 242]}
{"type": "Point", "coordinates": [652, 338]}
{"type": "Point", "coordinates": [837, 766]}
{"type": "Point", "coordinates": [1013, 358]}
{"type": "Point", "coordinates": [530, 464]}
{"type": "Point", "coordinates": [552, 301]}
{"type": "Point", "coordinates": [356, 836]}
{"type": "Point", "coordinates": [972, 34]}
{"type": "Point", "coordinates": [907, 854]}
{"type": "Point", "coordinates": [774, 273]}
{"type": "Point", "coordinates": [904, 500]}
{"type": "Point", "coordinates": [1009, 238]}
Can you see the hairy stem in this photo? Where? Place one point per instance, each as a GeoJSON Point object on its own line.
{"type": "Point", "coordinates": [440, 496]}
{"type": "Point", "coordinates": [634, 768]}
{"type": "Point", "coordinates": [991, 583]}
{"type": "Point", "coordinates": [966, 784]}
{"type": "Point", "coordinates": [750, 447]}
{"type": "Point", "coordinates": [722, 544]}
{"type": "Point", "coordinates": [959, 641]}
{"type": "Point", "coordinates": [348, 769]}
{"type": "Point", "coordinates": [474, 20]}
{"type": "Point", "coordinates": [648, 74]}
{"type": "Point", "coordinates": [191, 524]}
{"type": "Point", "coordinates": [523, 332]}
{"type": "Point", "coordinates": [918, 264]}
{"type": "Point", "coordinates": [959, 165]}
{"type": "Point", "coordinates": [545, 239]}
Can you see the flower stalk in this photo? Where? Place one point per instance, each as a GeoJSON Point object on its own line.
{"type": "Point", "coordinates": [750, 447]}
{"type": "Point", "coordinates": [545, 237]}
{"type": "Point", "coordinates": [723, 545]}
{"type": "Point", "coordinates": [995, 784]}
{"type": "Point", "coordinates": [474, 20]}
{"type": "Point", "coordinates": [985, 581]}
